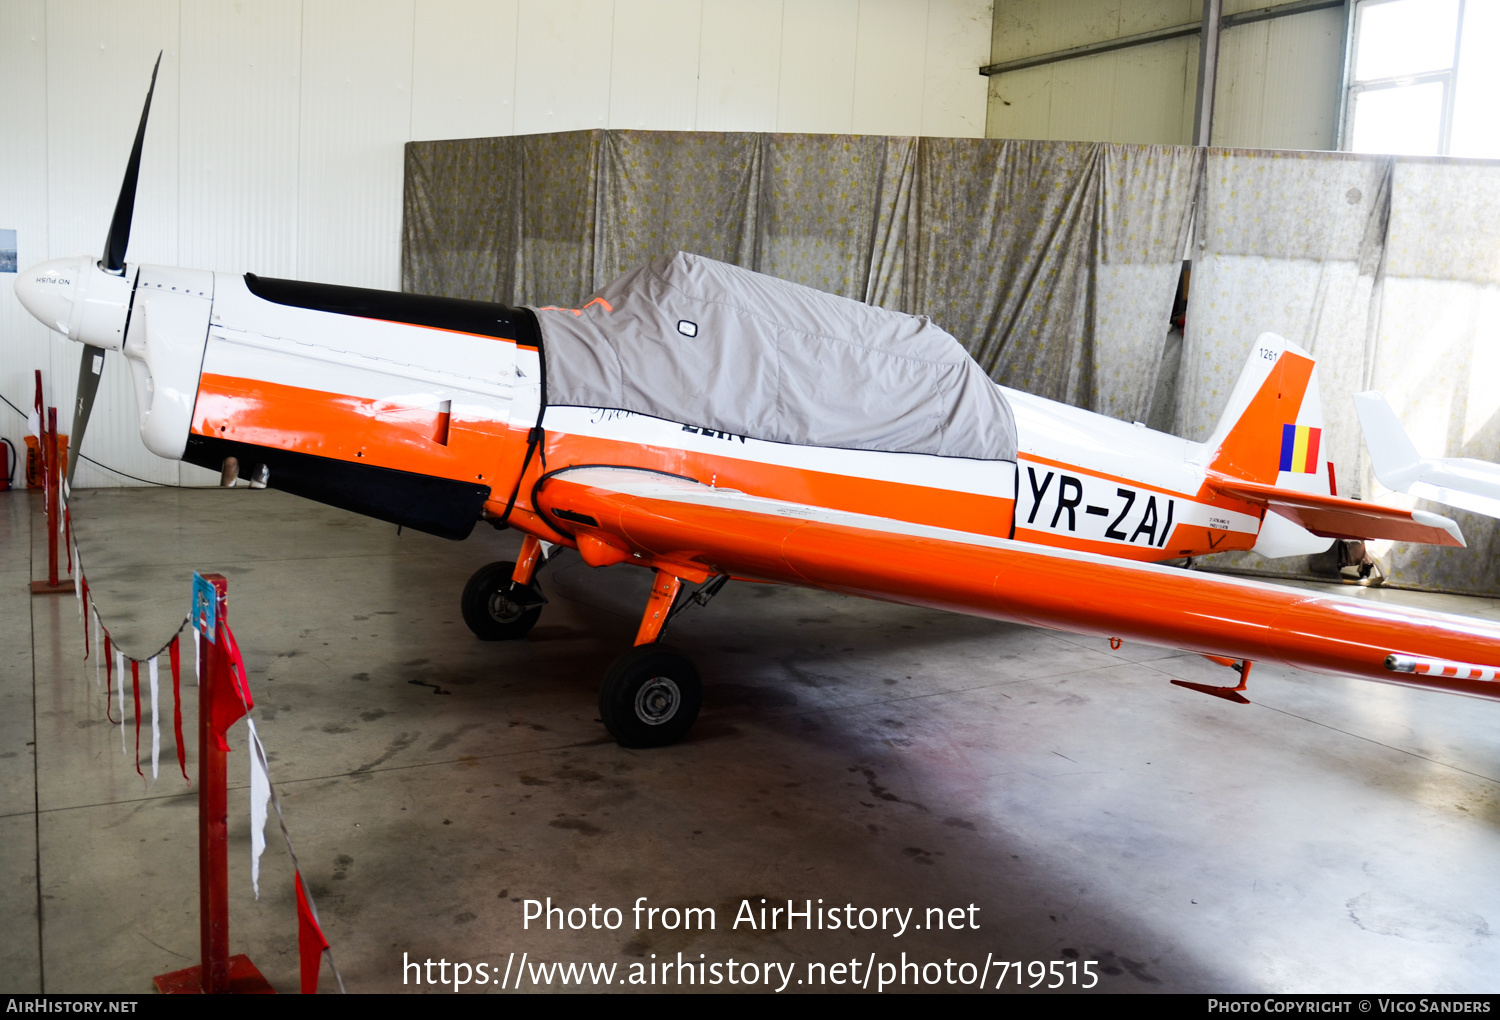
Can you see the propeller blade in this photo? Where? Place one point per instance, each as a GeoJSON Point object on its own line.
{"type": "Point", "coordinates": [89, 372]}
{"type": "Point", "coordinates": [119, 227]}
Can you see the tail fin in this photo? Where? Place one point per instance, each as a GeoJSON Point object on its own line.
{"type": "Point", "coordinates": [1393, 456]}
{"type": "Point", "coordinates": [1472, 485]}
{"type": "Point", "coordinates": [1272, 430]}
{"type": "Point", "coordinates": [1266, 451]}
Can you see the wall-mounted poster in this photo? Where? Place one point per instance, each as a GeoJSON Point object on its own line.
{"type": "Point", "coordinates": [7, 251]}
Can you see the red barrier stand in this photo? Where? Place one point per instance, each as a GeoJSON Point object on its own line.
{"type": "Point", "coordinates": [219, 973]}
{"type": "Point", "coordinates": [53, 496]}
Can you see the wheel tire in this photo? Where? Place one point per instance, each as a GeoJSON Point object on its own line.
{"type": "Point", "coordinates": [650, 697]}
{"type": "Point", "coordinates": [490, 611]}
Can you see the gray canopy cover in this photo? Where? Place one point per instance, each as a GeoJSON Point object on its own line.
{"type": "Point", "coordinates": [705, 343]}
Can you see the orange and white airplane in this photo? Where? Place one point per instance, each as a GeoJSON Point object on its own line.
{"type": "Point", "coordinates": [709, 423]}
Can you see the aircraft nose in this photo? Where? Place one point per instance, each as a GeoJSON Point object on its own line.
{"type": "Point", "coordinates": [78, 299]}
{"type": "Point", "coordinates": [51, 290]}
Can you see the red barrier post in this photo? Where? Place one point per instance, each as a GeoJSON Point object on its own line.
{"type": "Point", "coordinates": [213, 813]}
{"type": "Point", "coordinates": [219, 973]}
{"type": "Point", "coordinates": [52, 494]}
{"type": "Point", "coordinates": [52, 497]}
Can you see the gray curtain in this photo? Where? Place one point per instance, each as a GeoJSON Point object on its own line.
{"type": "Point", "coordinates": [1434, 349]}
{"type": "Point", "coordinates": [1052, 262]}
{"type": "Point", "coordinates": [677, 191]}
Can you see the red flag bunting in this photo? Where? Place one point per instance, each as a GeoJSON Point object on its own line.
{"type": "Point", "coordinates": [241, 676]}
{"type": "Point", "coordinates": [177, 706]}
{"type": "Point", "coordinates": [310, 941]}
{"type": "Point", "coordinates": [135, 688]}
{"type": "Point", "coordinates": [230, 696]}
{"type": "Point", "coordinates": [109, 677]}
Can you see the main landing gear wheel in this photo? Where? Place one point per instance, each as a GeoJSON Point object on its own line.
{"type": "Point", "coordinates": [650, 697]}
{"type": "Point", "coordinates": [498, 609]}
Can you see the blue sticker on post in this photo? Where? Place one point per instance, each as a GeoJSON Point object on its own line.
{"type": "Point", "coordinates": [205, 605]}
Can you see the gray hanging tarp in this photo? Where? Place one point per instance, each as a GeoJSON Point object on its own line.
{"type": "Point", "coordinates": [833, 213]}
{"type": "Point", "coordinates": [1003, 242]}
{"type": "Point", "coordinates": [1145, 213]}
{"type": "Point", "coordinates": [462, 222]}
{"type": "Point", "coordinates": [1007, 244]}
{"type": "Point", "coordinates": [670, 190]}
{"type": "Point", "coordinates": [1436, 354]}
{"type": "Point", "coordinates": [1290, 243]}
{"type": "Point", "coordinates": [688, 339]}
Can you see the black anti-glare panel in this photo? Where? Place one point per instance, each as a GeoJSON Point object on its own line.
{"type": "Point", "coordinates": [484, 318]}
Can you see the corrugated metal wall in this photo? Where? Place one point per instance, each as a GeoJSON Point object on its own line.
{"type": "Point", "coordinates": [1278, 81]}
{"type": "Point", "coordinates": [277, 130]}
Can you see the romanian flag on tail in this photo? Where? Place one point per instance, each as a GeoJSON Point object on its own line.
{"type": "Point", "coordinates": [1299, 448]}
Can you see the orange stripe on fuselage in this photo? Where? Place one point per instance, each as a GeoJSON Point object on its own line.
{"type": "Point", "coordinates": [354, 430]}
{"type": "Point", "coordinates": [921, 504]}
{"type": "Point", "coordinates": [1032, 458]}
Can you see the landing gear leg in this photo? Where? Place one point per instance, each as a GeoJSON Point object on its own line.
{"type": "Point", "coordinates": [502, 601]}
{"type": "Point", "coordinates": [651, 695]}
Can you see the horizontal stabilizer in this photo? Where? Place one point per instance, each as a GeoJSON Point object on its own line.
{"type": "Point", "coordinates": [1337, 517]}
{"type": "Point", "coordinates": [1468, 484]}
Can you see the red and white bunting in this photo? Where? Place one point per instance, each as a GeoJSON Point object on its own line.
{"type": "Point", "coordinates": [135, 694]}
{"type": "Point", "coordinates": [155, 718]}
{"type": "Point", "coordinates": [176, 660]}
{"type": "Point", "coordinates": [312, 945]}
{"type": "Point", "coordinates": [120, 668]}
{"type": "Point", "coordinates": [260, 796]}
{"type": "Point", "coordinates": [233, 702]}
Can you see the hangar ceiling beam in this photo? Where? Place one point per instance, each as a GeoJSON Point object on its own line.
{"type": "Point", "coordinates": [1159, 35]}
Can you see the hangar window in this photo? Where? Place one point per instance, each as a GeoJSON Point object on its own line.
{"type": "Point", "coordinates": [1422, 78]}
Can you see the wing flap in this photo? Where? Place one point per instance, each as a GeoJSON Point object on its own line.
{"type": "Point", "coordinates": [664, 521]}
{"type": "Point", "coordinates": [1337, 517]}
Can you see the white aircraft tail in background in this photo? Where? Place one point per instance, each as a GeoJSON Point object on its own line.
{"type": "Point", "coordinates": [1457, 481]}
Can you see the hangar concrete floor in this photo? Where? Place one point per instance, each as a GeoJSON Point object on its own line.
{"type": "Point", "coordinates": [1335, 835]}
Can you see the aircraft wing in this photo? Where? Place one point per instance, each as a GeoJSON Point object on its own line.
{"type": "Point", "coordinates": [1337, 517]}
{"type": "Point", "coordinates": [695, 530]}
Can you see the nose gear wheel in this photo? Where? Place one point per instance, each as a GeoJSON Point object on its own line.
{"type": "Point", "coordinates": [497, 608]}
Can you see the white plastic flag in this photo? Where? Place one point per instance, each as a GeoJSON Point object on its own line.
{"type": "Point", "coordinates": [260, 794]}
{"type": "Point", "coordinates": [34, 424]}
{"type": "Point", "coordinates": [155, 717]}
{"type": "Point", "coordinates": [197, 658]}
{"type": "Point", "coordinates": [98, 680]}
{"type": "Point", "coordinates": [120, 669]}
